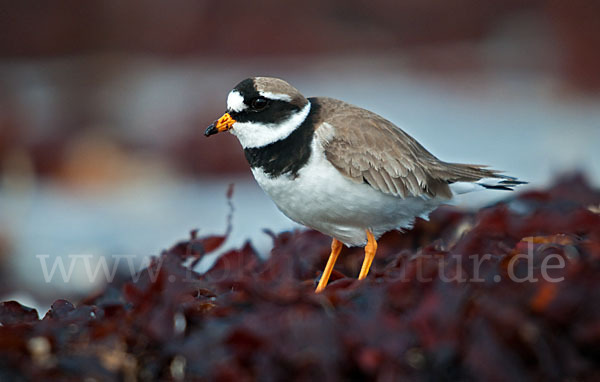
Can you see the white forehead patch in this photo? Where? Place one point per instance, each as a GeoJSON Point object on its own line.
{"type": "Point", "coordinates": [235, 101]}
{"type": "Point", "coordinates": [255, 134]}
{"type": "Point", "coordinates": [276, 96]}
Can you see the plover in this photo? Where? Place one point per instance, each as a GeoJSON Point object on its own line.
{"type": "Point", "coordinates": [340, 169]}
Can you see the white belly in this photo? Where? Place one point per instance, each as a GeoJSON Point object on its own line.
{"type": "Point", "coordinates": [320, 197]}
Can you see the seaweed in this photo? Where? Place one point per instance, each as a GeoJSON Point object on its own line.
{"type": "Point", "coordinates": [451, 299]}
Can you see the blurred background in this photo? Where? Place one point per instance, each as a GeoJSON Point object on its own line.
{"type": "Point", "coordinates": [103, 105]}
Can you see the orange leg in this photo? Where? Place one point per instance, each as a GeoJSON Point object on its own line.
{"type": "Point", "coordinates": [370, 250]}
{"type": "Point", "coordinates": [336, 247]}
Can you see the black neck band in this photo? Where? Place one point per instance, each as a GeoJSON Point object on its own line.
{"type": "Point", "coordinates": [289, 155]}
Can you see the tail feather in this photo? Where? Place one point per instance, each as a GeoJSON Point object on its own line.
{"type": "Point", "coordinates": [470, 172]}
{"type": "Point", "coordinates": [466, 178]}
{"type": "Point", "coordinates": [502, 183]}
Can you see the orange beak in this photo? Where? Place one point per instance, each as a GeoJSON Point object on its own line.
{"type": "Point", "coordinates": [222, 124]}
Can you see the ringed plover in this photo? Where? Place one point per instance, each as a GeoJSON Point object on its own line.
{"type": "Point", "coordinates": [340, 169]}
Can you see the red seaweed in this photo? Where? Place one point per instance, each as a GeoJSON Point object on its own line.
{"type": "Point", "coordinates": [451, 299]}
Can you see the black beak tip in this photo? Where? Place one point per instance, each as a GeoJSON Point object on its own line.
{"type": "Point", "coordinates": [211, 130]}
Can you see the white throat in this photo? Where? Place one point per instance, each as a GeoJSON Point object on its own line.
{"type": "Point", "coordinates": [252, 135]}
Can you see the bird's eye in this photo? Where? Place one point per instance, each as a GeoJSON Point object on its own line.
{"type": "Point", "coordinates": [259, 103]}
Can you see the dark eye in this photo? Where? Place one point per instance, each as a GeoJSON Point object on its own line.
{"type": "Point", "coordinates": [259, 103]}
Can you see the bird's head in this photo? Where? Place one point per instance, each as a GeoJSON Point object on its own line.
{"type": "Point", "coordinates": [261, 111]}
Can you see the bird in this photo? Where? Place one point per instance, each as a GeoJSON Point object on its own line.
{"type": "Point", "coordinates": [340, 169]}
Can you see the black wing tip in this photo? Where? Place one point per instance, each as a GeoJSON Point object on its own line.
{"type": "Point", "coordinates": [507, 183]}
{"type": "Point", "coordinates": [498, 187]}
{"type": "Point", "coordinates": [511, 179]}
{"type": "Point", "coordinates": [513, 182]}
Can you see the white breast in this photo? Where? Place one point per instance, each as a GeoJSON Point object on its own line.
{"type": "Point", "coordinates": [321, 198]}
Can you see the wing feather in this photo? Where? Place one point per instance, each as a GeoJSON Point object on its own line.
{"type": "Point", "coordinates": [368, 148]}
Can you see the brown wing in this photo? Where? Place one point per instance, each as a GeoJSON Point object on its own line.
{"type": "Point", "coordinates": [368, 148]}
